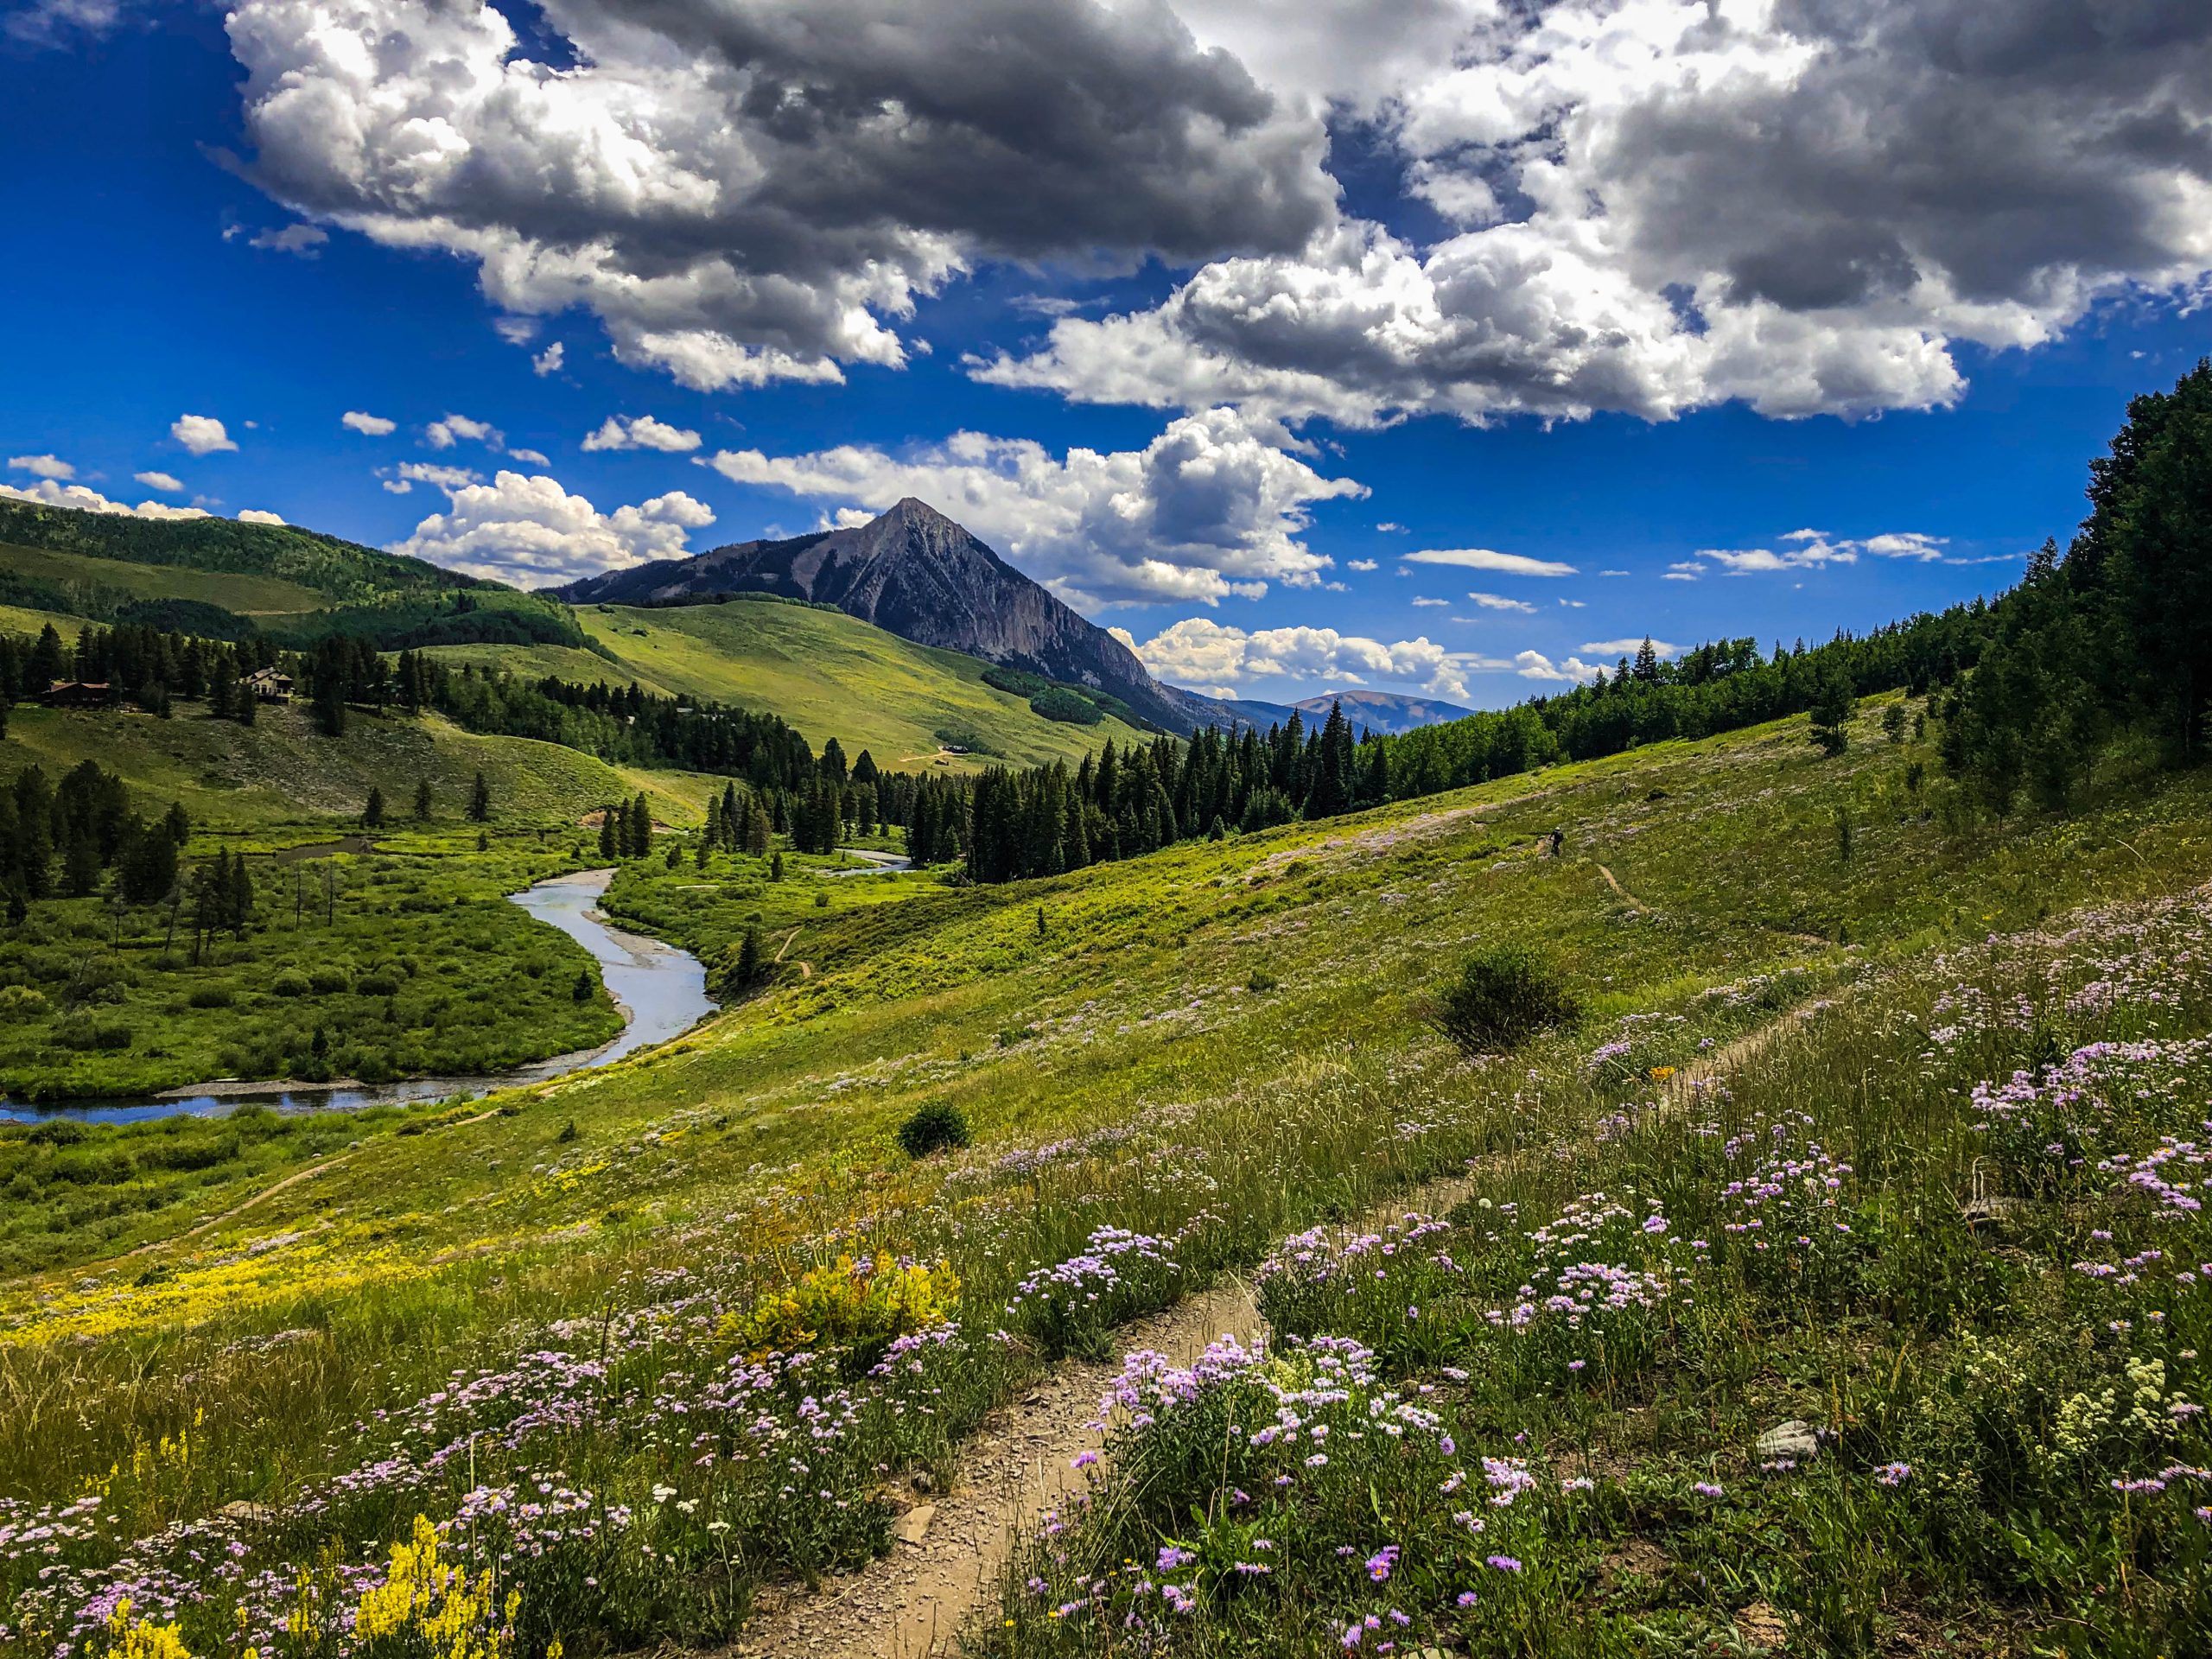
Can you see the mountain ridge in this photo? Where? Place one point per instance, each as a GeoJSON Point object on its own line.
{"type": "Point", "coordinates": [1390, 713]}
{"type": "Point", "coordinates": [913, 571]}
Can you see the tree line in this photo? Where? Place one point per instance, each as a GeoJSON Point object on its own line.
{"type": "Point", "coordinates": [58, 840]}
{"type": "Point", "coordinates": [2111, 641]}
{"type": "Point", "coordinates": [1010, 824]}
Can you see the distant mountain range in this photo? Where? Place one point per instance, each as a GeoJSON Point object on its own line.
{"type": "Point", "coordinates": [913, 572]}
{"type": "Point", "coordinates": [1386, 712]}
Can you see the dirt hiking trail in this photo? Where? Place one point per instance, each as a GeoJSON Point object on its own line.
{"type": "Point", "coordinates": [950, 1549]}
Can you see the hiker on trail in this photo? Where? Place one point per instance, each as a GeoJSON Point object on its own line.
{"type": "Point", "coordinates": [1558, 836]}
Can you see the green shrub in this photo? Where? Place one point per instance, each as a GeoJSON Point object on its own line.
{"type": "Point", "coordinates": [327, 981]}
{"type": "Point", "coordinates": [1261, 981]}
{"type": "Point", "coordinates": [212, 996]}
{"type": "Point", "coordinates": [291, 983]}
{"type": "Point", "coordinates": [378, 985]}
{"type": "Point", "coordinates": [1500, 997]}
{"type": "Point", "coordinates": [933, 1128]}
{"type": "Point", "coordinates": [86, 1034]}
{"type": "Point", "coordinates": [22, 1002]}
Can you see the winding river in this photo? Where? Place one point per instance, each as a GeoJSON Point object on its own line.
{"type": "Point", "coordinates": [662, 992]}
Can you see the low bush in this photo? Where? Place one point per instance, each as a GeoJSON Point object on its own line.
{"type": "Point", "coordinates": [933, 1128]}
{"type": "Point", "coordinates": [212, 996]}
{"type": "Point", "coordinates": [1501, 996]}
{"type": "Point", "coordinates": [86, 1034]}
{"type": "Point", "coordinates": [857, 1307]}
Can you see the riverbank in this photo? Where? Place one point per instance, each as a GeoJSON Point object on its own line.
{"type": "Point", "coordinates": [659, 990]}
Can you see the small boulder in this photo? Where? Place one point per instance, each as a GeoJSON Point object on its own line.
{"type": "Point", "coordinates": [1796, 1440]}
{"type": "Point", "coordinates": [914, 1525]}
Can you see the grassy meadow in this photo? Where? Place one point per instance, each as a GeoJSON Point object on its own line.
{"type": "Point", "coordinates": [369, 955]}
{"type": "Point", "coordinates": [595, 1364]}
{"type": "Point", "coordinates": [828, 674]}
{"type": "Point", "coordinates": [266, 598]}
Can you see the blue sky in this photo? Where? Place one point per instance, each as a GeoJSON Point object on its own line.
{"type": "Point", "coordinates": [1232, 506]}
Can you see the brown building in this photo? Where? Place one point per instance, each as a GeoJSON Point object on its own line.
{"type": "Point", "coordinates": [76, 694]}
{"type": "Point", "coordinates": [268, 685]}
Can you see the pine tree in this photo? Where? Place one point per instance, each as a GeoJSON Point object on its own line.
{"type": "Point", "coordinates": [479, 801]}
{"type": "Point", "coordinates": [331, 664]}
{"type": "Point", "coordinates": [746, 974]}
{"type": "Point", "coordinates": [1833, 704]}
{"type": "Point", "coordinates": [237, 908]}
{"type": "Point", "coordinates": [372, 813]}
{"type": "Point", "coordinates": [610, 845]}
{"type": "Point", "coordinates": [423, 800]}
{"type": "Point", "coordinates": [1333, 771]}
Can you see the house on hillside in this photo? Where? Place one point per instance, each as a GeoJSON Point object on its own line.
{"type": "Point", "coordinates": [269, 686]}
{"type": "Point", "coordinates": [76, 694]}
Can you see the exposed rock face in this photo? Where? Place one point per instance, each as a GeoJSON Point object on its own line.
{"type": "Point", "coordinates": [915, 573]}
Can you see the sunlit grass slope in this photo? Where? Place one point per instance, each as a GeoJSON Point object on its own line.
{"type": "Point", "coordinates": [1210, 1048]}
{"type": "Point", "coordinates": [1136, 983]}
{"type": "Point", "coordinates": [831, 675]}
{"type": "Point", "coordinates": [280, 770]}
{"type": "Point", "coordinates": [260, 596]}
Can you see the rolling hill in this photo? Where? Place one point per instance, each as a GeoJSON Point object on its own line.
{"type": "Point", "coordinates": [828, 674]}
{"type": "Point", "coordinates": [280, 771]}
{"type": "Point", "coordinates": [918, 573]}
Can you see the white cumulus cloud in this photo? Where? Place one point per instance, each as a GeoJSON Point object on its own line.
{"type": "Point", "coordinates": [760, 190]}
{"type": "Point", "coordinates": [169, 481]}
{"type": "Point", "coordinates": [52, 493]}
{"type": "Point", "coordinates": [645, 432]}
{"type": "Point", "coordinates": [256, 516]}
{"type": "Point", "coordinates": [549, 361]}
{"type": "Point", "coordinates": [1618, 648]}
{"type": "Point", "coordinates": [1657, 206]}
{"type": "Point", "coordinates": [49, 467]}
{"type": "Point", "coordinates": [1500, 602]}
{"type": "Point", "coordinates": [1482, 558]}
{"type": "Point", "coordinates": [1535, 665]}
{"type": "Point", "coordinates": [1813, 549]}
{"type": "Point", "coordinates": [530, 531]}
{"type": "Point", "coordinates": [444, 433]}
{"type": "Point", "coordinates": [1199, 650]}
{"type": "Point", "coordinates": [374, 426]}
{"type": "Point", "coordinates": [201, 435]}
{"type": "Point", "coordinates": [1207, 510]}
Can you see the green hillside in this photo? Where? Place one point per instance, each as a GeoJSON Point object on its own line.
{"type": "Point", "coordinates": [1171, 1064]}
{"type": "Point", "coordinates": [294, 583]}
{"type": "Point", "coordinates": [280, 771]}
{"type": "Point", "coordinates": [828, 674]}
{"type": "Point", "coordinates": [86, 579]}
{"type": "Point", "coordinates": [339, 571]}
